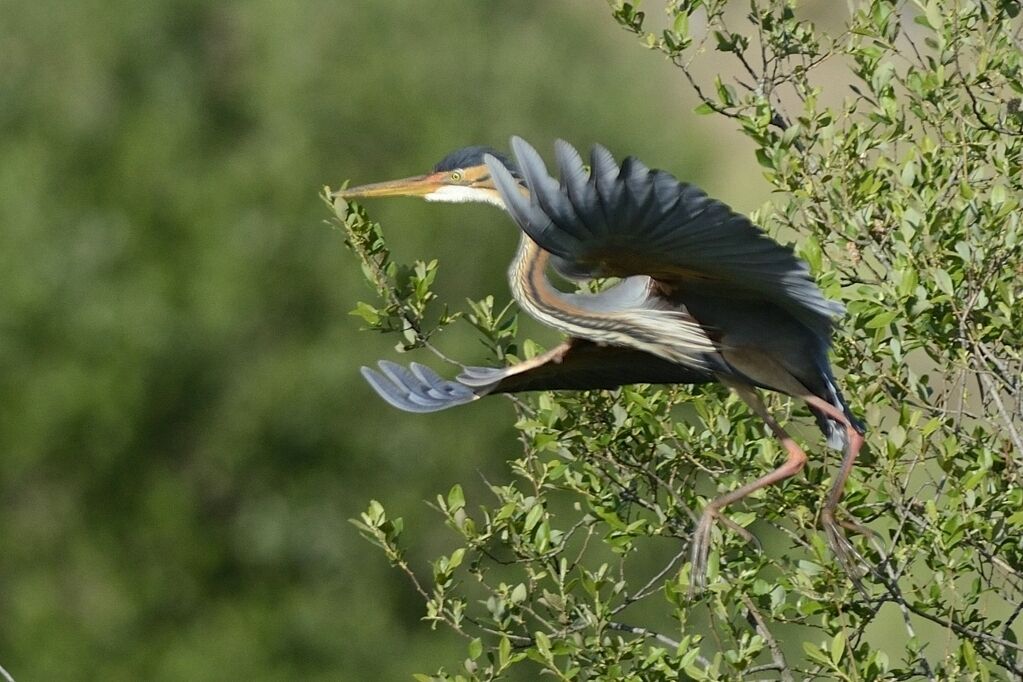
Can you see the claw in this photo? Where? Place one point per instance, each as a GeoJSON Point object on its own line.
{"type": "Point", "coordinates": [851, 561]}
{"type": "Point", "coordinates": [701, 546]}
{"type": "Point", "coordinates": [700, 552]}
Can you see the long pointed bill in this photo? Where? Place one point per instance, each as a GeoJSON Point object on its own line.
{"type": "Point", "coordinates": [416, 186]}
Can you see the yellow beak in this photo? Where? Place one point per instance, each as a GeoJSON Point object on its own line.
{"type": "Point", "coordinates": [415, 186]}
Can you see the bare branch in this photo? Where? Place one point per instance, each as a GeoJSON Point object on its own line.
{"type": "Point", "coordinates": [772, 644]}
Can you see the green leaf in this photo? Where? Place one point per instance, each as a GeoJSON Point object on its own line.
{"type": "Point", "coordinates": [764, 159]}
{"type": "Point", "coordinates": [907, 280]}
{"type": "Point", "coordinates": [882, 320]}
{"type": "Point", "coordinates": [456, 558]}
{"type": "Point", "coordinates": [504, 652]}
{"type": "Point", "coordinates": [543, 644]}
{"type": "Point", "coordinates": [533, 517]}
{"type": "Point", "coordinates": [542, 540]}
{"type": "Point", "coordinates": [367, 312]}
{"type": "Point", "coordinates": [934, 16]}
{"type": "Point", "coordinates": [375, 513]}
{"type": "Point", "coordinates": [681, 24]}
{"type": "Point", "coordinates": [943, 281]}
{"type": "Point", "coordinates": [908, 175]}
{"type": "Point", "coordinates": [814, 653]}
{"type": "Point", "coordinates": [812, 253]}
{"type": "Point", "coordinates": [998, 195]}
{"type": "Point", "coordinates": [456, 499]}
{"type": "Point", "coordinates": [837, 647]}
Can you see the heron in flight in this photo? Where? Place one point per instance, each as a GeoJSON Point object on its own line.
{"type": "Point", "coordinates": [704, 295]}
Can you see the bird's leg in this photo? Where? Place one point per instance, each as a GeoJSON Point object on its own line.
{"type": "Point", "coordinates": [855, 443]}
{"type": "Point", "coordinates": [832, 529]}
{"type": "Point", "coordinates": [793, 464]}
{"type": "Point", "coordinates": [555, 355]}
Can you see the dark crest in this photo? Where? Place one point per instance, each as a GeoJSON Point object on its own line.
{"type": "Point", "coordinates": [467, 157]}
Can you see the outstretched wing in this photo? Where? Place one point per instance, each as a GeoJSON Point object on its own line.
{"type": "Point", "coordinates": [416, 389]}
{"type": "Point", "coordinates": [635, 221]}
{"type": "Point", "coordinates": [576, 364]}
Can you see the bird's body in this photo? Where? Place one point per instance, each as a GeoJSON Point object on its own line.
{"type": "Point", "coordinates": [704, 295]}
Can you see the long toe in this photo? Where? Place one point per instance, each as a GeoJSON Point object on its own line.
{"type": "Point", "coordinates": [700, 552]}
{"type": "Point", "coordinates": [854, 565]}
{"type": "Point", "coordinates": [858, 528]}
{"type": "Point", "coordinates": [741, 532]}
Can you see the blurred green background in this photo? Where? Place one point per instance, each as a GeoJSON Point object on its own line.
{"type": "Point", "coordinates": [183, 430]}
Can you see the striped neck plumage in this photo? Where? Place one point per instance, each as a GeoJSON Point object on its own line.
{"type": "Point", "coordinates": [666, 333]}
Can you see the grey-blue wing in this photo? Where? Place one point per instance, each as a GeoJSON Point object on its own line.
{"type": "Point", "coordinates": [416, 389]}
{"type": "Point", "coordinates": [574, 365]}
{"type": "Point", "coordinates": [630, 220]}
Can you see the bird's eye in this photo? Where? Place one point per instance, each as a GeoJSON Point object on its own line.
{"type": "Point", "coordinates": [456, 176]}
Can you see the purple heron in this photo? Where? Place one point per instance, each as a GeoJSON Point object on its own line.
{"type": "Point", "coordinates": [705, 295]}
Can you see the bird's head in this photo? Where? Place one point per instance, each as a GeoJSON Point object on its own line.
{"type": "Point", "coordinates": [461, 176]}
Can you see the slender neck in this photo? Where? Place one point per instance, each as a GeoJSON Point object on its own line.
{"type": "Point", "coordinates": [528, 278]}
{"type": "Point", "coordinates": [667, 333]}
{"type": "Point", "coordinates": [536, 295]}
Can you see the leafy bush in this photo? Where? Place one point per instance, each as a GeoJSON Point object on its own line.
{"type": "Point", "coordinates": [896, 147]}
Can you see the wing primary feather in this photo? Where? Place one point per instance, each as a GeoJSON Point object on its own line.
{"type": "Point", "coordinates": [603, 168]}
{"type": "Point", "coordinates": [507, 187]}
{"type": "Point", "coordinates": [547, 198]}
{"type": "Point", "coordinates": [637, 193]}
{"type": "Point", "coordinates": [531, 221]}
{"type": "Point", "coordinates": [417, 389]}
{"type": "Point", "coordinates": [434, 380]}
{"type": "Point", "coordinates": [481, 377]}
{"type": "Point", "coordinates": [416, 392]}
{"type": "Point", "coordinates": [531, 165]}
{"type": "Point", "coordinates": [396, 394]}
{"type": "Point", "coordinates": [573, 173]}
{"type": "Point", "coordinates": [604, 174]}
{"type": "Point", "coordinates": [581, 193]}
{"type": "Point", "coordinates": [439, 387]}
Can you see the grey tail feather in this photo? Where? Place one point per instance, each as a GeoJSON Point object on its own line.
{"type": "Point", "coordinates": [833, 430]}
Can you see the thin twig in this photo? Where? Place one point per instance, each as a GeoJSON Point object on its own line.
{"type": "Point", "coordinates": [643, 591]}
{"type": "Point", "coordinates": [772, 644]}
{"type": "Point", "coordinates": [907, 621]}
{"type": "Point", "coordinates": [663, 639]}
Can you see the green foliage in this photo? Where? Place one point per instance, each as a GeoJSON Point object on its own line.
{"type": "Point", "coordinates": [405, 290]}
{"type": "Point", "coordinates": [905, 195]}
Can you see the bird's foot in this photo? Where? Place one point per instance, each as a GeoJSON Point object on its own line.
{"type": "Point", "coordinates": [700, 551]}
{"type": "Point", "coordinates": [856, 527]}
{"type": "Point", "coordinates": [701, 546]}
{"type": "Point", "coordinates": [740, 531]}
{"type": "Point", "coordinates": [854, 565]}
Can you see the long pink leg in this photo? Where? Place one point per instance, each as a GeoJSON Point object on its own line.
{"type": "Point", "coordinates": [792, 465]}
{"type": "Point", "coordinates": [832, 528]}
{"type": "Point", "coordinates": [855, 443]}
